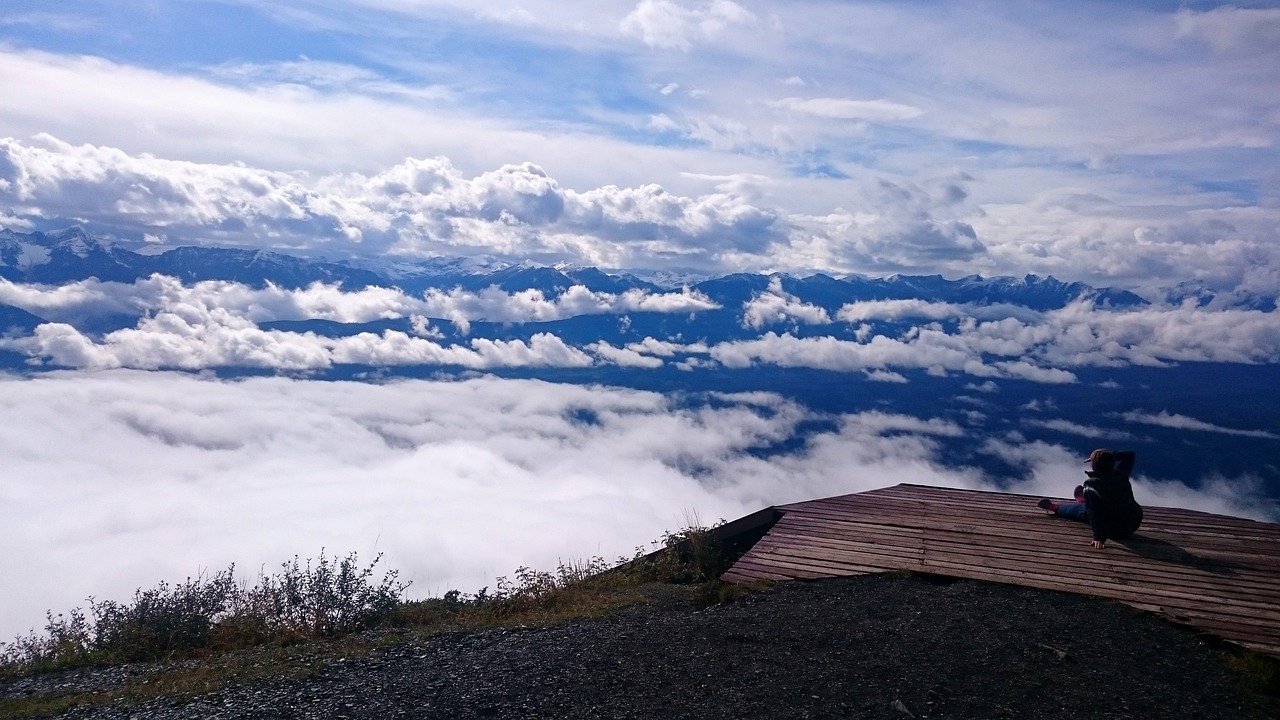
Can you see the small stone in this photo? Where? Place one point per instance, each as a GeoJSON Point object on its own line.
{"type": "Point", "coordinates": [902, 708]}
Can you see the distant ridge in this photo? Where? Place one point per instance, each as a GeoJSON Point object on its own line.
{"type": "Point", "coordinates": [73, 254]}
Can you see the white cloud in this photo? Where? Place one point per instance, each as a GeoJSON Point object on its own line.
{"type": "Point", "coordinates": [880, 111]}
{"type": "Point", "coordinates": [886, 376]}
{"type": "Point", "coordinates": [1167, 419]}
{"type": "Point", "coordinates": [215, 324]}
{"type": "Point", "coordinates": [193, 338]}
{"type": "Point", "coordinates": [419, 206]}
{"type": "Point", "coordinates": [1232, 30]}
{"type": "Point", "coordinates": [931, 310]}
{"type": "Point", "coordinates": [1081, 335]}
{"type": "Point", "coordinates": [456, 482]}
{"type": "Point", "coordinates": [624, 357]}
{"type": "Point", "coordinates": [87, 298]}
{"type": "Point", "coordinates": [493, 304]}
{"type": "Point", "coordinates": [775, 306]}
{"type": "Point", "coordinates": [662, 348]}
{"type": "Point", "coordinates": [1089, 431]}
{"type": "Point", "coordinates": [928, 350]}
{"type": "Point", "coordinates": [667, 24]}
{"type": "Point", "coordinates": [427, 206]}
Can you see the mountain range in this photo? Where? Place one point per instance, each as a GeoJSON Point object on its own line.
{"type": "Point", "coordinates": [74, 254]}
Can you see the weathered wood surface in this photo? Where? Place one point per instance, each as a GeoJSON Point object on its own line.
{"type": "Point", "coordinates": [1216, 573]}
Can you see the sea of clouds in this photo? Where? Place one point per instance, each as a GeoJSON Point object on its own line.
{"type": "Point", "coordinates": [120, 479]}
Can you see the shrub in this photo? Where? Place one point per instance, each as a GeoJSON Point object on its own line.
{"type": "Point", "coordinates": [163, 622]}
{"type": "Point", "coordinates": [690, 555]}
{"type": "Point", "coordinates": [332, 597]}
{"type": "Point", "coordinates": [66, 641]}
{"type": "Point", "coordinates": [321, 598]}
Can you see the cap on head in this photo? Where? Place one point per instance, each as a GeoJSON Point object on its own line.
{"type": "Point", "coordinates": [1103, 461]}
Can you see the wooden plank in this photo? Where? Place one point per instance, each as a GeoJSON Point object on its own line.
{"type": "Point", "coordinates": [747, 571]}
{"type": "Point", "coordinates": [923, 515]}
{"type": "Point", "coordinates": [1040, 579]}
{"type": "Point", "coordinates": [1077, 554]}
{"type": "Point", "coordinates": [1034, 532]}
{"type": "Point", "coordinates": [801, 568]}
{"type": "Point", "coordinates": [1213, 572]}
{"type": "Point", "coordinates": [998, 502]}
{"type": "Point", "coordinates": [1037, 532]}
{"type": "Point", "coordinates": [1264, 609]}
{"type": "Point", "coordinates": [1083, 569]}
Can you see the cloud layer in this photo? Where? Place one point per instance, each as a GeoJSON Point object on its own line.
{"type": "Point", "coordinates": [122, 479]}
{"type": "Point", "coordinates": [216, 324]}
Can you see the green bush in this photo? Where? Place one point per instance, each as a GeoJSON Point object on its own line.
{"type": "Point", "coordinates": [162, 622]}
{"type": "Point", "coordinates": [691, 555]}
{"type": "Point", "coordinates": [332, 597]}
{"type": "Point", "coordinates": [321, 598]}
{"type": "Point", "coordinates": [66, 641]}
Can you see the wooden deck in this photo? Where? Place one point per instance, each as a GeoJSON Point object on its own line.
{"type": "Point", "coordinates": [1216, 573]}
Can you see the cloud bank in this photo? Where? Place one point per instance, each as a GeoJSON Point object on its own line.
{"type": "Point", "coordinates": [216, 324]}
{"type": "Point", "coordinates": [121, 479]}
{"type": "Point", "coordinates": [88, 298]}
{"type": "Point", "coordinates": [519, 211]}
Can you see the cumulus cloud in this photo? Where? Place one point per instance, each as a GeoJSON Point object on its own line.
{"type": "Point", "coordinates": [776, 306]}
{"type": "Point", "coordinates": [666, 24]}
{"type": "Point", "coordinates": [519, 211]}
{"type": "Point", "coordinates": [85, 298]}
{"type": "Point", "coordinates": [216, 324]}
{"type": "Point", "coordinates": [493, 304]}
{"type": "Point", "coordinates": [419, 206]}
{"type": "Point", "coordinates": [624, 357]}
{"type": "Point", "coordinates": [932, 310]}
{"type": "Point", "coordinates": [197, 339]}
{"type": "Point", "coordinates": [1081, 335]}
{"type": "Point", "coordinates": [899, 226]}
{"type": "Point", "coordinates": [930, 350]}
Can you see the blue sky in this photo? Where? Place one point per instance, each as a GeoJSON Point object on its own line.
{"type": "Point", "coordinates": [1127, 144]}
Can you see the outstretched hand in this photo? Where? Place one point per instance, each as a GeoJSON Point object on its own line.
{"type": "Point", "coordinates": [1099, 543]}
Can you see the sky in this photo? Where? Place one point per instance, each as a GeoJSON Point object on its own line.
{"type": "Point", "coordinates": [1129, 144]}
{"type": "Point", "coordinates": [1119, 144]}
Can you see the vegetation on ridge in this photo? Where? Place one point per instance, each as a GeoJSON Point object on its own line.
{"type": "Point", "coordinates": [331, 597]}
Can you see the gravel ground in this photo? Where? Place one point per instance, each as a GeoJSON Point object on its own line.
{"type": "Point", "coordinates": [887, 646]}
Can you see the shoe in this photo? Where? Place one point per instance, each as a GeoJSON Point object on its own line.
{"type": "Point", "coordinates": [1047, 504]}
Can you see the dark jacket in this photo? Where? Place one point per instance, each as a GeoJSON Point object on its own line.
{"type": "Point", "coordinates": [1113, 513]}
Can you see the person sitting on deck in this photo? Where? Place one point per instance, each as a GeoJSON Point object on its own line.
{"type": "Point", "coordinates": [1105, 501]}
